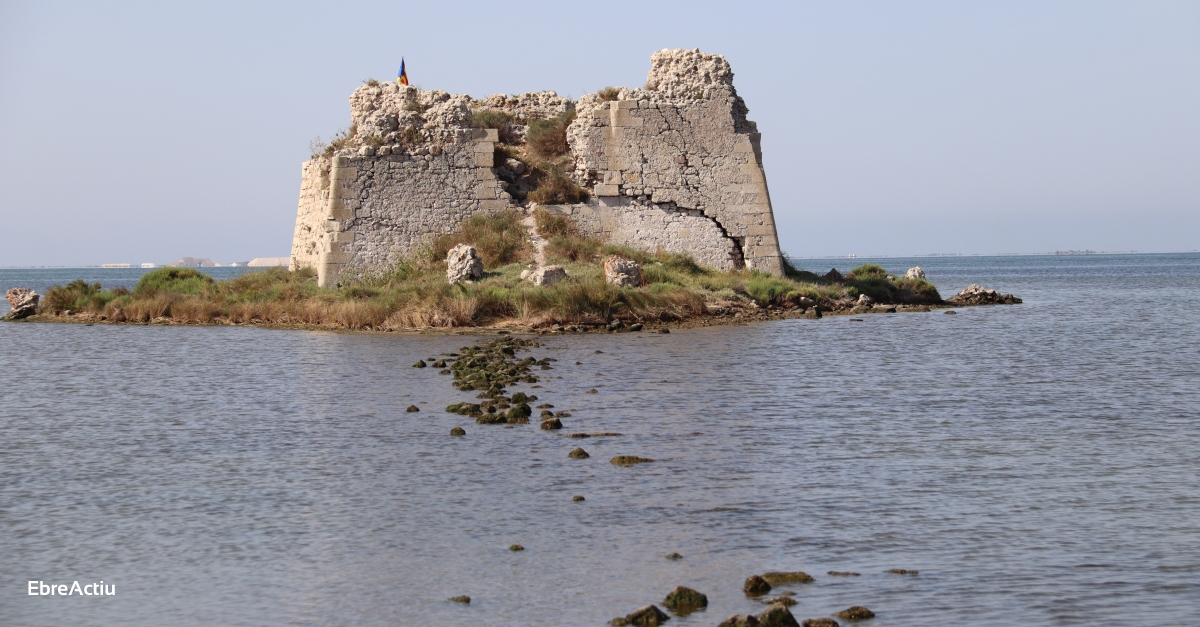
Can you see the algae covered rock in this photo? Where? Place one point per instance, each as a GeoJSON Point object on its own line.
{"type": "Point", "coordinates": [756, 586]}
{"type": "Point", "coordinates": [777, 615]}
{"type": "Point", "coordinates": [740, 620]}
{"type": "Point", "coordinates": [785, 601]}
{"type": "Point", "coordinates": [684, 600]}
{"type": "Point", "coordinates": [820, 622]}
{"type": "Point", "coordinates": [420, 364]}
{"type": "Point", "coordinates": [856, 612]}
{"type": "Point", "coordinates": [552, 424]}
{"type": "Point", "coordinates": [457, 431]}
{"type": "Point", "coordinates": [516, 547]}
{"type": "Point", "coordinates": [462, 598]}
{"type": "Point", "coordinates": [647, 616]}
{"type": "Point", "coordinates": [578, 453]}
{"type": "Point", "coordinates": [412, 408]}
{"type": "Point", "coordinates": [629, 460]}
{"type": "Point", "coordinates": [776, 578]}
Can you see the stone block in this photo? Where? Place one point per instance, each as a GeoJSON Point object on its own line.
{"type": "Point", "coordinates": [344, 174]}
{"type": "Point", "coordinates": [338, 257]}
{"type": "Point", "coordinates": [608, 190]}
{"type": "Point", "coordinates": [484, 147]}
{"type": "Point", "coordinates": [341, 162]}
{"type": "Point", "coordinates": [493, 205]}
{"type": "Point", "coordinates": [761, 229]}
{"type": "Point", "coordinates": [485, 159]}
{"type": "Point", "coordinates": [624, 104]}
{"type": "Point", "coordinates": [612, 177]}
{"type": "Point", "coordinates": [485, 192]}
{"type": "Point", "coordinates": [343, 237]}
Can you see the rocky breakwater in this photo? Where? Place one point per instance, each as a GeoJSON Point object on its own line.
{"type": "Point", "coordinates": [23, 301]}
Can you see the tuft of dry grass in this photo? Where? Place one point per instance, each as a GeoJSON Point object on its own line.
{"type": "Point", "coordinates": [609, 93]}
{"type": "Point", "coordinates": [554, 186]}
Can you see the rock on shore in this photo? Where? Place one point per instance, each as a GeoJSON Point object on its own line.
{"type": "Point", "coordinates": [463, 264]}
{"type": "Point", "coordinates": [24, 302]}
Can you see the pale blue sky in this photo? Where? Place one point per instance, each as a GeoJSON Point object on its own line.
{"type": "Point", "coordinates": [134, 132]}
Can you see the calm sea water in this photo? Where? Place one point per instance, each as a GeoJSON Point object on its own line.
{"type": "Point", "coordinates": [1036, 463]}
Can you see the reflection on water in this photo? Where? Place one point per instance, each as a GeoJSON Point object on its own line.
{"type": "Point", "coordinates": [1035, 463]}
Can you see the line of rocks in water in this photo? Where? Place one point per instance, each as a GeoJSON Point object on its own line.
{"type": "Point", "coordinates": [493, 366]}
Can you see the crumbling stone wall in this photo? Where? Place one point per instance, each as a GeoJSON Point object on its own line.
{"type": "Point", "coordinates": [673, 166]}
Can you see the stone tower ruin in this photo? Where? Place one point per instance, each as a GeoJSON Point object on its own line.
{"type": "Point", "coordinates": [672, 166]}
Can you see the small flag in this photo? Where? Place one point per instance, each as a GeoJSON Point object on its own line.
{"type": "Point", "coordinates": [402, 77]}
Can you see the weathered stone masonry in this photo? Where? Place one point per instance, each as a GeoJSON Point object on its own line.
{"type": "Point", "coordinates": [674, 166]}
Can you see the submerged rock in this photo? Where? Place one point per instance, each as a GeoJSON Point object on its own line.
{"type": "Point", "coordinates": [819, 622]}
{"type": "Point", "coordinates": [578, 497]}
{"type": "Point", "coordinates": [674, 556]}
{"type": "Point", "coordinates": [552, 424]}
{"type": "Point", "coordinates": [776, 578]}
{"type": "Point", "coordinates": [740, 620]}
{"type": "Point", "coordinates": [784, 601]}
{"type": "Point", "coordinates": [777, 615]}
{"type": "Point", "coordinates": [976, 295]}
{"type": "Point", "coordinates": [578, 453]}
{"type": "Point", "coordinates": [420, 364]}
{"type": "Point", "coordinates": [857, 612]}
{"type": "Point", "coordinates": [684, 600]}
{"type": "Point", "coordinates": [457, 431]}
{"type": "Point", "coordinates": [626, 460]}
{"type": "Point", "coordinates": [840, 573]}
{"type": "Point", "coordinates": [756, 586]}
{"type": "Point", "coordinates": [412, 408]}
{"type": "Point", "coordinates": [23, 301]}
{"type": "Point", "coordinates": [462, 598]}
{"type": "Point", "coordinates": [516, 547]}
{"type": "Point", "coordinates": [463, 264]}
{"type": "Point", "coordinates": [900, 571]}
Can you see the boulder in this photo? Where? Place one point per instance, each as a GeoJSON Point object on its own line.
{"type": "Point", "coordinates": [24, 302]}
{"type": "Point", "coordinates": [578, 453]}
{"type": "Point", "coordinates": [834, 275]}
{"type": "Point", "coordinates": [819, 622]}
{"type": "Point", "coordinates": [857, 612]}
{"type": "Point", "coordinates": [785, 601]}
{"type": "Point", "coordinates": [740, 620]}
{"type": "Point", "coordinates": [547, 275]}
{"type": "Point", "coordinates": [551, 424]}
{"type": "Point", "coordinates": [976, 295]}
{"type": "Point", "coordinates": [463, 264]}
{"type": "Point", "coordinates": [915, 272]}
{"type": "Point", "coordinates": [806, 302]}
{"type": "Point", "coordinates": [462, 598]}
{"type": "Point", "coordinates": [684, 600]}
{"type": "Point", "coordinates": [777, 615]}
{"type": "Point", "coordinates": [622, 272]}
{"type": "Point", "coordinates": [756, 586]}
{"type": "Point", "coordinates": [864, 301]}
{"type": "Point", "coordinates": [776, 578]}
{"type": "Point", "coordinates": [457, 431]}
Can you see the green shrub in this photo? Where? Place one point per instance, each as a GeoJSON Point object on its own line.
{"type": "Point", "coordinates": [766, 289]}
{"type": "Point", "coordinates": [174, 280]}
{"type": "Point", "coordinates": [867, 271]}
{"type": "Point", "coordinates": [77, 296]}
{"type": "Point", "coordinates": [548, 138]}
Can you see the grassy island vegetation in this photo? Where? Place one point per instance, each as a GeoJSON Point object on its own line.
{"type": "Point", "coordinates": [414, 293]}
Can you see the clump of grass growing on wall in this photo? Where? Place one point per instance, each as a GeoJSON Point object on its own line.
{"type": "Point", "coordinates": [499, 120]}
{"type": "Point", "coordinates": [609, 93]}
{"type": "Point", "coordinates": [554, 187]}
{"type": "Point", "coordinates": [548, 138]}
